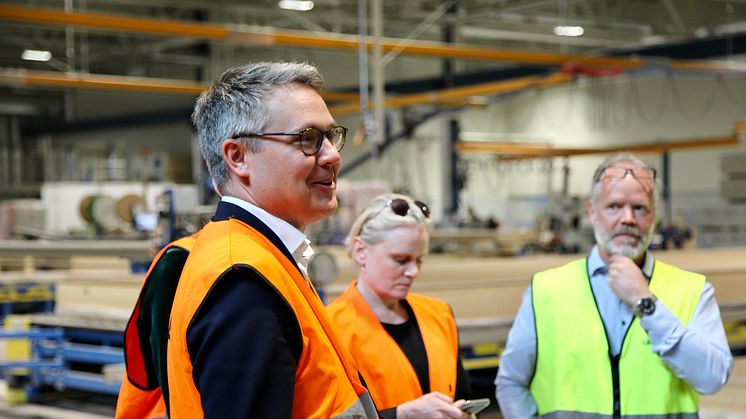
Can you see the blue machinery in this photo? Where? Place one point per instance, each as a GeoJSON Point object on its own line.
{"type": "Point", "coordinates": [64, 357]}
{"type": "Point", "coordinates": [52, 360]}
{"type": "Point", "coordinates": [14, 298]}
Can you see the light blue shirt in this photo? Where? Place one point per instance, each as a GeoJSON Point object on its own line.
{"type": "Point", "coordinates": [697, 353]}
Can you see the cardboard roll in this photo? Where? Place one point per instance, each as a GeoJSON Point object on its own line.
{"type": "Point", "coordinates": [99, 211]}
{"type": "Point", "coordinates": [322, 269]}
{"type": "Point", "coordinates": [128, 205]}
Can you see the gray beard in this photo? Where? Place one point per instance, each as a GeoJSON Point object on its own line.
{"type": "Point", "coordinates": [604, 239]}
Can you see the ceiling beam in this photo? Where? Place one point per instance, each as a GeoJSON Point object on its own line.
{"type": "Point", "coordinates": [451, 96]}
{"type": "Point", "coordinates": [58, 80]}
{"type": "Point", "coordinates": [267, 36]}
{"type": "Point", "coordinates": [512, 150]}
{"type": "Point", "coordinates": [447, 97]}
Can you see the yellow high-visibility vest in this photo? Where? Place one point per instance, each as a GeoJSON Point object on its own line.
{"type": "Point", "coordinates": [575, 372]}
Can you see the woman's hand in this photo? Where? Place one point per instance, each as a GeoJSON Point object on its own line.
{"type": "Point", "coordinates": [433, 405]}
{"type": "Point", "coordinates": [464, 415]}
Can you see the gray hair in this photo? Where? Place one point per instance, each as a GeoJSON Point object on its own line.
{"type": "Point", "coordinates": [612, 161]}
{"type": "Point", "coordinates": [235, 104]}
{"type": "Point", "coordinates": [377, 219]}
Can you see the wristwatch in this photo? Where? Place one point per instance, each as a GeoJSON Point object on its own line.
{"type": "Point", "coordinates": [645, 306]}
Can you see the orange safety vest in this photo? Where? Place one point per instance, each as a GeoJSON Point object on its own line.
{"type": "Point", "coordinates": [326, 381]}
{"type": "Point", "coordinates": [140, 395]}
{"type": "Point", "coordinates": [387, 372]}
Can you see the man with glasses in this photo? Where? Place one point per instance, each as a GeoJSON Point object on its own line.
{"type": "Point", "coordinates": [248, 335]}
{"type": "Point", "coordinates": [619, 333]}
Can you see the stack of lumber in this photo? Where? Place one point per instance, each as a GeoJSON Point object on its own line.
{"type": "Point", "coordinates": [478, 287]}
{"type": "Point", "coordinates": [484, 292]}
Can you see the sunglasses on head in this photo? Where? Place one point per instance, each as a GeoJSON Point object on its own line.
{"type": "Point", "coordinates": [401, 208]}
{"type": "Point", "coordinates": [310, 139]}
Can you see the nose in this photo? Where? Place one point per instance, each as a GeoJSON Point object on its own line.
{"type": "Point", "coordinates": [628, 216]}
{"type": "Point", "coordinates": [328, 154]}
{"type": "Point", "coordinates": [412, 269]}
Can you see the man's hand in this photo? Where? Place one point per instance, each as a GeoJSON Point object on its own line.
{"type": "Point", "coordinates": [626, 280]}
{"type": "Point", "coordinates": [431, 405]}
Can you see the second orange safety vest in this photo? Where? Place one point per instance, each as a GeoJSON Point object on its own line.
{"type": "Point", "coordinates": [140, 395]}
{"type": "Point", "coordinates": [387, 372]}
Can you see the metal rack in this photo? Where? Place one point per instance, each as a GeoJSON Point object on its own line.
{"type": "Point", "coordinates": [66, 356]}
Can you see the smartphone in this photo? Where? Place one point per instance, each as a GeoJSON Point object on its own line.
{"type": "Point", "coordinates": [475, 406]}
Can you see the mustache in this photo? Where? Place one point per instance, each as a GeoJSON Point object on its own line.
{"type": "Point", "coordinates": [626, 230]}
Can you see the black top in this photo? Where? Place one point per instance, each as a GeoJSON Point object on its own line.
{"type": "Point", "coordinates": [407, 335]}
{"type": "Point", "coordinates": [409, 338]}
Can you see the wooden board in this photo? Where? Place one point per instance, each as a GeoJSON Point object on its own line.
{"type": "Point", "coordinates": [493, 286]}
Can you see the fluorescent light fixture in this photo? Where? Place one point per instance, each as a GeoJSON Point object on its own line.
{"type": "Point", "coordinates": [298, 5]}
{"type": "Point", "coordinates": [36, 55]}
{"type": "Point", "coordinates": [568, 30]}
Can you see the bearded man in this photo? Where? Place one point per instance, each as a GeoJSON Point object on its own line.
{"type": "Point", "coordinates": [618, 333]}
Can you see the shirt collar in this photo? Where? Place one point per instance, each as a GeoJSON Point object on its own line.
{"type": "Point", "coordinates": [290, 236]}
{"type": "Point", "coordinates": [303, 255]}
{"type": "Point", "coordinates": [596, 265]}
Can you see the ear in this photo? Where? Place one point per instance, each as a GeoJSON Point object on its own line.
{"type": "Point", "coordinates": [236, 156]}
{"type": "Point", "coordinates": [359, 251]}
{"type": "Point", "coordinates": [591, 211]}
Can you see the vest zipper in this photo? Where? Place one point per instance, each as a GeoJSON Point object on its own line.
{"type": "Point", "coordinates": [614, 361]}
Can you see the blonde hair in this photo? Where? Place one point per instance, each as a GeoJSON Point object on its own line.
{"type": "Point", "coordinates": [378, 218]}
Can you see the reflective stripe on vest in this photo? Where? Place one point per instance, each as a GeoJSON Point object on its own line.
{"type": "Point", "coordinates": [387, 371]}
{"type": "Point", "coordinates": [326, 385]}
{"type": "Point", "coordinates": [573, 367]}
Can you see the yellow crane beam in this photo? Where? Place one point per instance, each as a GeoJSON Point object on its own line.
{"type": "Point", "coordinates": [57, 80]}
{"type": "Point", "coordinates": [458, 94]}
{"type": "Point", "coordinates": [517, 151]}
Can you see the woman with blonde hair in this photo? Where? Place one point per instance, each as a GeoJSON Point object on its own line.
{"type": "Point", "coordinates": [405, 345]}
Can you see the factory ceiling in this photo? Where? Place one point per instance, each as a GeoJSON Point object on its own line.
{"type": "Point", "coordinates": [120, 38]}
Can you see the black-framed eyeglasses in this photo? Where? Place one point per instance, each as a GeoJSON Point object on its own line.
{"type": "Point", "coordinates": [617, 172]}
{"type": "Point", "coordinates": [401, 208]}
{"type": "Point", "coordinates": [310, 139]}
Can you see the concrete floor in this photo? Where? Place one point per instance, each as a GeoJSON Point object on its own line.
{"type": "Point", "coordinates": [66, 405]}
